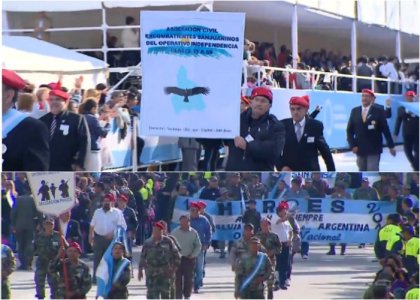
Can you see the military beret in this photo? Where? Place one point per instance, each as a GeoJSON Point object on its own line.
{"type": "Point", "coordinates": [76, 246]}
{"type": "Point", "coordinates": [262, 91]}
{"type": "Point", "coordinates": [60, 94]}
{"type": "Point", "coordinates": [369, 92]}
{"type": "Point", "coordinates": [410, 94]}
{"type": "Point", "coordinates": [159, 225]}
{"type": "Point", "coordinates": [300, 101]}
{"type": "Point", "coordinates": [13, 80]}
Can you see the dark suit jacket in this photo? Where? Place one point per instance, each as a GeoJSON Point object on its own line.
{"type": "Point", "coordinates": [67, 148]}
{"type": "Point", "coordinates": [410, 123]}
{"type": "Point", "coordinates": [73, 233]}
{"type": "Point", "coordinates": [263, 150]}
{"type": "Point", "coordinates": [303, 155]}
{"type": "Point", "coordinates": [368, 136]}
{"type": "Point", "coordinates": [27, 147]}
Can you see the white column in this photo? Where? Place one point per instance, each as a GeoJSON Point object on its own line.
{"type": "Point", "coordinates": [354, 52]}
{"type": "Point", "coordinates": [398, 45]}
{"type": "Point", "coordinates": [104, 35]}
{"type": "Point", "coordinates": [295, 36]}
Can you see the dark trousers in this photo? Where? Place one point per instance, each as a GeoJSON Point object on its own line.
{"type": "Point", "coordinates": [25, 247]}
{"type": "Point", "coordinates": [184, 278]}
{"type": "Point", "coordinates": [411, 149]}
{"type": "Point", "coordinates": [368, 162]}
{"type": "Point", "coordinates": [283, 262]}
{"type": "Point", "coordinates": [343, 248]}
{"type": "Point", "coordinates": [100, 244]}
{"type": "Point", "coordinates": [304, 248]}
{"type": "Point", "coordinates": [211, 155]}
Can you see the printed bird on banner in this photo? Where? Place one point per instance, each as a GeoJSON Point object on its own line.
{"type": "Point", "coordinates": [186, 92]}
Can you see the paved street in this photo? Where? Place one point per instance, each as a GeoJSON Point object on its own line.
{"type": "Point", "coordinates": [320, 276]}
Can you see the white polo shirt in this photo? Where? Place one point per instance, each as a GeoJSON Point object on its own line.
{"type": "Point", "coordinates": [282, 229]}
{"type": "Point", "coordinates": [104, 223]}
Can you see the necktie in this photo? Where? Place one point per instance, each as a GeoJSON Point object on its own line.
{"type": "Point", "coordinates": [298, 131]}
{"type": "Point", "coordinates": [52, 128]}
{"type": "Point", "coordinates": [364, 114]}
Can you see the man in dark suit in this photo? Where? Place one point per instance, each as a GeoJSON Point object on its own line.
{"type": "Point", "coordinates": [304, 139]}
{"type": "Point", "coordinates": [69, 228]}
{"type": "Point", "coordinates": [68, 134]}
{"type": "Point", "coordinates": [366, 125]}
{"type": "Point", "coordinates": [261, 138]}
{"type": "Point", "coordinates": [410, 131]}
{"type": "Point", "coordinates": [25, 139]}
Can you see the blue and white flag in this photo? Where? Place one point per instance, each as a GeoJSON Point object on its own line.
{"type": "Point", "coordinates": [104, 273]}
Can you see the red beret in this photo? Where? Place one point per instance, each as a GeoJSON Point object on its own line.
{"type": "Point", "coordinates": [123, 197]}
{"type": "Point", "coordinates": [368, 91]}
{"type": "Point", "coordinates": [201, 204]}
{"type": "Point", "coordinates": [59, 93]}
{"type": "Point", "coordinates": [301, 101]}
{"type": "Point", "coordinates": [194, 205]}
{"type": "Point", "coordinates": [283, 205]}
{"type": "Point", "coordinates": [245, 100]}
{"type": "Point", "coordinates": [109, 197]}
{"type": "Point", "coordinates": [306, 98]}
{"type": "Point", "coordinates": [262, 91]}
{"type": "Point", "coordinates": [410, 94]}
{"type": "Point", "coordinates": [13, 80]}
{"type": "Point", "coordinates": [159, 225]}
{"type": "Point", "coordinates": [76, 246]}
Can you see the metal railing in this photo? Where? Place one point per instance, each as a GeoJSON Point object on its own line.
{"type": "Point", "coordinates": [286, 72]}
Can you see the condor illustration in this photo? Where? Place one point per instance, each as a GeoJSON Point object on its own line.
{"type": "Point", "coordinates": [186, 92]}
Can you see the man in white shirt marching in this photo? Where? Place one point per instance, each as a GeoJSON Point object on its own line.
{"type": "Point", "coordinates": [283, 229]}
{"type": "Point", "coordinates": [104, 222]}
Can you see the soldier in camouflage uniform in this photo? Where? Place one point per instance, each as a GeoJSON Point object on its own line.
{"type": "Point", "coordinates": [253, 287]}
{"type": "Point", "coordinates": [8, 266]}
{"type": "Point", "coordinates": [119, 288]}
{"type": "Point", "coordinates": [160, 258]}
{"type": "Point", "coordinates": [240, 248]}
{"type": "Point", "coordinates": [79, 279]}
{"type": "Point", "coordinates": [165, 233]}
{"type": "Point", "coordinates": [272, 244]}
{"type": "Point", "coordinates": [47, 245]}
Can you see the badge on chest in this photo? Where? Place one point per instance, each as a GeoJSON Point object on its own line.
{"type": "Point", "coordinates": [64, 128]}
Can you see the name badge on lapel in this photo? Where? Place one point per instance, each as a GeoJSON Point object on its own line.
{"type": "Point", "coordinates": [249, 138]}
{"type": "Point", "coordinates": [311, 139]}
{"type": "Point", "coordinates": [65, 129]}
{"type": "Point", "coordinates": [372, 125]}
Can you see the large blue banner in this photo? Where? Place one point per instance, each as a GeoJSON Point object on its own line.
{"type": "Point", "coordinates": [321, 220]}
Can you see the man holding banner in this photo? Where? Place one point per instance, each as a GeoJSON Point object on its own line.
{"type": "Point", "coordinates": [261, 138]}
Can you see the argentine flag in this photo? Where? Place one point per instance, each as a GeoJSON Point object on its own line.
{"type": "Point", "coordinates": [104, 272]}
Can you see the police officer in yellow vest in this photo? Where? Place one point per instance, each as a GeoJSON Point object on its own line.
{"type": "Point", "coordinates": [411, 251]}
{"type": "Point", "coordinates": [412, 292]}
{"type": "Point", "coordinates": [389, 239]}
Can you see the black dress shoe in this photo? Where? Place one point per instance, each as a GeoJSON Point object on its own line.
{"type": "Point", "coordinates": [330, 253]}
{"type": "Point", "coordinates": [283, 287]}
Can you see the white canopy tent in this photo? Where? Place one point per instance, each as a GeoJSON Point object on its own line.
{"type": "Point", "coordinates": [41, 62]}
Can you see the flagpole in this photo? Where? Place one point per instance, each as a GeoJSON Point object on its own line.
{"type": "Point", "coordinates": [62, 245]}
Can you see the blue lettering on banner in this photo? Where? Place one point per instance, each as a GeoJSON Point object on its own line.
{"type": "Point", "coordinates": [321, 220]}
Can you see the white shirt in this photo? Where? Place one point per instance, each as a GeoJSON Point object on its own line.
{"type": "Point", "coordinates": [302, 125]}
{"type": "Point", "coordinates": [282, 229]}
{"type": "Point", "coordinates": [104, 223]}
{"type": "Point", "coordinates": [130, 39]}
{"type": "Point", "coordinates": [64, 226]}
{"type": "Point", "coordinates": [388, 70]}
{"type": "Point", "coordinates": [365, 109]}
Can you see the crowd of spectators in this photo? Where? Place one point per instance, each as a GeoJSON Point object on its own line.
{"type": "Point", "coordinates": [264, 54]}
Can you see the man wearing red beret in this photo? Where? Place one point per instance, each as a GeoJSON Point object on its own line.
{"type": "Point", "coordinates": [410, 131]}
{"type": "Point", "coordinates": [25, 139]}
{"type": "Point", "coordinates": [261, 138]}
{"type": "Point", "coordinates": [365, 127]}
{"type": "Point", "coordinates": [68, 134]}
{"type": "Point", "coordinates": [304, 139]}
{"type": "Point", "coordinates": [129, 217]}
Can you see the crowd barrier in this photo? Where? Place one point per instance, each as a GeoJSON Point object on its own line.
{"type": "Point", "coordinates": [321, 220]}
